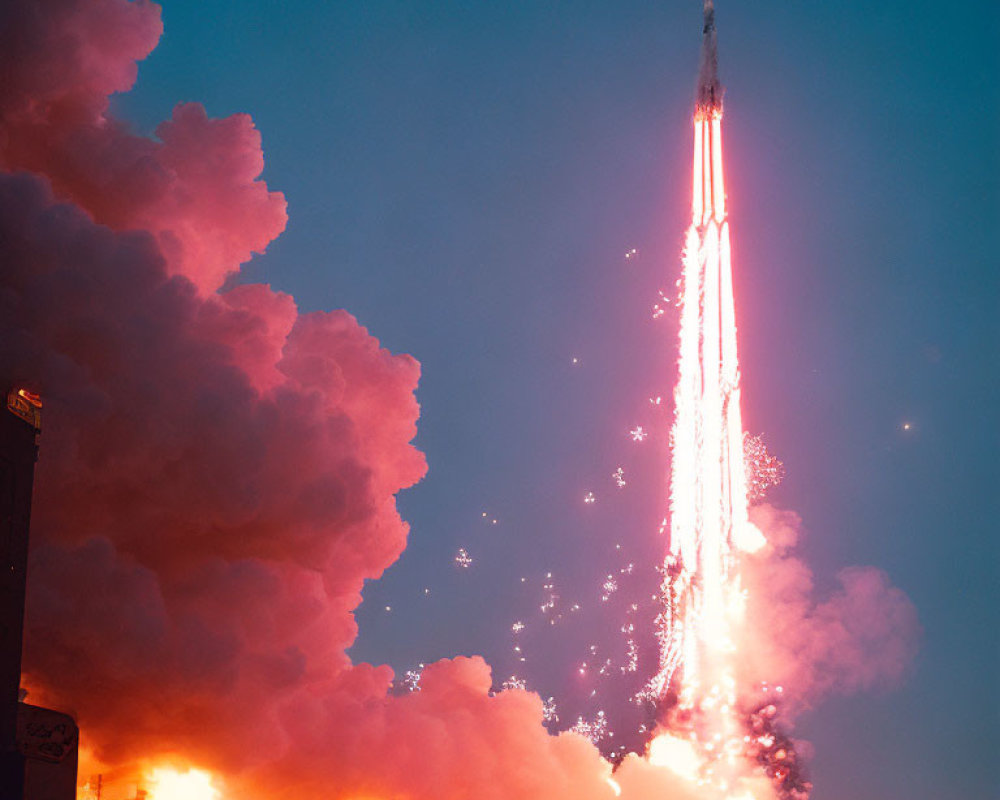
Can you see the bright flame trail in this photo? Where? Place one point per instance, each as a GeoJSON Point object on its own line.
{"type": "Point", "coordinates": [708, 497]}
{"type": "Point", "coordinates": [709, 524]}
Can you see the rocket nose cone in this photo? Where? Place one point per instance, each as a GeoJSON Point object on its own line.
{"type": "Point", "coordinates": [709, 16]}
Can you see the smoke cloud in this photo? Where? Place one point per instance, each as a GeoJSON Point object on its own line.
{"type": "Point", "coordinates": [864, 636]}
{"type": "Point", "coordinates": [218, 471]}
{"type": "Point", "coordinates": [194, 187]}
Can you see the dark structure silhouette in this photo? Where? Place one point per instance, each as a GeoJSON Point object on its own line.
{"type": "Point", "coordinates": [38, 746]}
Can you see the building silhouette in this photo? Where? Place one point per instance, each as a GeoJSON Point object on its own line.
{"type": "Point", "coordinates": [38, 746]}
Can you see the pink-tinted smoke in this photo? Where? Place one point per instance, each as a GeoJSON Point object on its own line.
{"type": "Point", "coordinates": [194, 187]}
{"type": "Point", "coordinates": [863, 636]}
{"type": "Point", "coordinates": [218, 471]}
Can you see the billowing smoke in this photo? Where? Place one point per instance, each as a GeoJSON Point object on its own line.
{"type": "Point", "coordinates": [864, 636]}
{"type": "Point", "coordinates": [218, 472]}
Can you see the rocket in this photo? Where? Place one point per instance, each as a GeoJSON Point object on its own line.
{"type": "Point", "coordinates": [709, 521]}
{"type": "Point", "coordinates": [703, 602]}
{"type": "Point", "coordinates": [709, 88]}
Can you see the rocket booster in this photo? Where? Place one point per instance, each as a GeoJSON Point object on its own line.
{"type": "Point", "coordinates": [709, 88]}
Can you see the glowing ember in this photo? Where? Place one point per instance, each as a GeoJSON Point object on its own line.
{"type": "Point", "coordinates": [549, 595]}
{"type": "Point", "coordinates": [638, 434]}
{"type": "Point", "coordinates": [660, 308]}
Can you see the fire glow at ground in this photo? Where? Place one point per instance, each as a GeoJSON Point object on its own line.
{"type": "Point", "coordinates": [170, 784]}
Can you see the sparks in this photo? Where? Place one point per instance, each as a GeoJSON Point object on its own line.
{"type": "Point", "coordinates": [596, 730]}
{"type": "Point", "coordinates": [462, 558]}
{"type": "Point", "coordinates": [762, 469]}
{"type": "Point", "coordinates": [549, 596]}
{"type": "Point", "coordinates": [661, 306]}
{"type": "Point", "coordinates": [631, 656]}
{"type": "Point", "coordinates": [411, 680]}
{"type": "Point", "coordinates": [638, 434]}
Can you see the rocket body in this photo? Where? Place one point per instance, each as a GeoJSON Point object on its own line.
{"type": "Point", "coordinates": [709, 88]}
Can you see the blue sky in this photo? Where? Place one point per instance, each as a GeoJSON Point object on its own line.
{"type": "Point", "coordinates": [466, 178]}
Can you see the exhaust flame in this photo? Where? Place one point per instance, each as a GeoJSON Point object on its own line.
{"type": "Point", "coordinates": [166, 783]}
{"type": "Point", "coordinates": [678, 755]}
{"type": "Point", "coordinates": [708, 492]}
{"type": "Point", "coordinates": [703, 600]}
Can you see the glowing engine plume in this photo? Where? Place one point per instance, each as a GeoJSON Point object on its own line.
{"type": "Point", "coordinates": [708, 496]}
{"type": "Point", "coordinates": [709, 523]}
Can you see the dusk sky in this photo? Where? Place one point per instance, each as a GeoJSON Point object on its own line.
{"type": "Point", "coordinates": [466, 180]}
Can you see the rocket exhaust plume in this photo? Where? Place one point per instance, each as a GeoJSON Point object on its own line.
{"type": "Point", "coordinates": [708, 499]}
{"type": "Point", "coordinates": [703, 601]}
